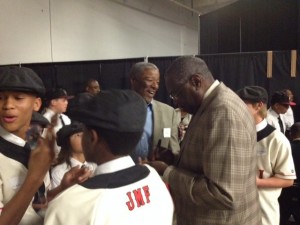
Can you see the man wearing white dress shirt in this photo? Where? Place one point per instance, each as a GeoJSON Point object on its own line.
{"type": "Point", "coordinates": [279, 106]}
{"type": "Point", "coordinates": [57, 103]}
{"type": "Point", "coordinates": [288, 117]}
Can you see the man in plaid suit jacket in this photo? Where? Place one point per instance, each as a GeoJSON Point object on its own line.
{"type": "Point", "coordinates": [213, 181]}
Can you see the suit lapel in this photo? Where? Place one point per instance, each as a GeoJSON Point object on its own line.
{"type": "Point", "coordinates": [156, 120]}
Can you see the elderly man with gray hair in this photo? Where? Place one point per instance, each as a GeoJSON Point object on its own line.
{"type": "Point", "coordinates": [160, 131]}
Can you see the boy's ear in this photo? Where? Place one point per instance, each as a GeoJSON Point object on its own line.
{"type": "Point", "coordinates": [37, 104]}
{"type": "Point", "coordinates": [94, 137]}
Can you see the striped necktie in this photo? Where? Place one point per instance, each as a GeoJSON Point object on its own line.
{"type": "Point", "coordinates": [62, 121]}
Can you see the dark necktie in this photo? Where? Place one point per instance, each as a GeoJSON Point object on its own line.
{"type": "Point", "coordinates": [62, 121]}
{"type": "Point", "coordinates": [280, 124]}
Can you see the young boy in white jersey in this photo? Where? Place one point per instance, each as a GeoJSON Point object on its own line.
{"type": "Point", "coordinates": [120, 192]}
{"type": "Point", "coordinates": [20, 92]}
{"type": "Point", "coordinates": [275, 166]}
{"type": "Point", "coordinates": [22, 168]}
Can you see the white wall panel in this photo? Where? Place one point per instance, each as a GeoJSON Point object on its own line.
{"type": "Point", "coordinates": [24, 31]}
{"type": "Point", "coordinates": [77, 30]}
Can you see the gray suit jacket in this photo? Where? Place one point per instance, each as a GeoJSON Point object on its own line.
{"type": "Point", "coordinates": [214, 182]}
{"type": "Point", "coordinates": [164, 118]}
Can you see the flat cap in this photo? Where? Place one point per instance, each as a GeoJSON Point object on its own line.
{"type": "Point", "coordinates": [253, 94]}
{"type": "Point", "coordinates": [281, 98]}
{"type": "Point", "coordinates": [38, 118]}
{"type": "Point", "coordinates": [114, 110]}
{"type": "Point", "coordinates": [13, 78]}
{"type": "Point", "coordinates": [65, 132]}
{"type": "Point", "coordinates": [57, 93]}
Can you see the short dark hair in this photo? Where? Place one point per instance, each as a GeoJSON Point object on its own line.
{"type": "Point", "coordinates": [89, 81]}
{"type": "Point", "coordinates": [120, 143]}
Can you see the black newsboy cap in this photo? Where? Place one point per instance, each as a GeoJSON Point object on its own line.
{"type": "Point", "coordinates": [253, 94]}
{"type": "Point", "coordinates": [114, 110]}
{"type": "Point", "coordinates": [65, 132]}
{"type": "Point", "coordinates": [281, 98]}
{"type": "Point", "coordinates": [57, 93]}
{"type": "Point", "coordinates": [13, 78]}
{"type": "Point", "coordinates": [38, 118]}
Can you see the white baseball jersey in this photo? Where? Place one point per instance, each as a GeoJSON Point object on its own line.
{"type": "Point", "coordinates": [58, 172]}
{"type": "Point", "coordinates": [119, 193]}
{"type": "Point", "coordinates": [67, 121]}
{"type": "Point", "coordinates": [14, 158]}
{"type": "Point", "coordinates": [288, 118]}
{"type": "Point", "coordinates": [274, 158]}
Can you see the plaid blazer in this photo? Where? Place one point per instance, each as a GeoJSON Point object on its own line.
{"type": "Point", "coordinates": [214, 181]}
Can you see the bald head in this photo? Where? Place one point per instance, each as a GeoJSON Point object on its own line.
{"type": "Point", "coordinates": [187, 80]}
{"type": "Point", "coordinates": [188, 65]}
{"type": "Point", "coordinates": [92, 87]}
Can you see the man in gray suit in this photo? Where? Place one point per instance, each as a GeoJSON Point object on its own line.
{"type": "Point", "coordinates": [160, 131]}
{"type": "Point", "coordinates": [214, 180]}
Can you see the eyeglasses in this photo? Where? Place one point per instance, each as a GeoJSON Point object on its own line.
{"type": "Point", "coordinates": [174, 94]}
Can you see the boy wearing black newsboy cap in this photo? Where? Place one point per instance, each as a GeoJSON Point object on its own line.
{"type": "Point", "coordinates": [57, 101]}
{"type": "Point", "coordinates": [253, 94]}
{"type": "Point", "coordinates": [272, 146]}
{"type": "Point", "coordinates": [21, 173]}
{"type": "Point", "coordinates": [114, 122]}
{"type": "Point", "coordinates": [280, 103]}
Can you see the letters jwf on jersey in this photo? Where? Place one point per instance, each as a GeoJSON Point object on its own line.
{"type": "Point", "coordinates": [138, 197]}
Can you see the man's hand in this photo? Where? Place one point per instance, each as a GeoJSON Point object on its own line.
{"type": "Point", "coordinates": [159, 166]}
{"type": "Point", "coordinates": [42, 156]}
{"type": "Point", "coordinates": [74, 176]}
{"type": "Point", "coordinates": [162, 154]}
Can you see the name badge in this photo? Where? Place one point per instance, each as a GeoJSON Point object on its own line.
{"type": "Point", "coordinates": [167, 132]}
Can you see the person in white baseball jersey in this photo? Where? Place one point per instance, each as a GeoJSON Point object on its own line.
{"type": "Point", "coordinates": [57, 103]}
{"type": "Point", "coordinates": [121, 192]}
{"type": "Point", "coordinates": [280, 104]}
{"type": "Point", "coordinates": [275, 166]}
{"type": "Point", "coordinates": [288, 117]}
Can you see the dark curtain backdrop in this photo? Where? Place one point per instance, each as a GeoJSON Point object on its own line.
{"type": "Point", "coordinates": [74, 75]}
{"type": "Point", "coordinates": [115, 73]}
{"type": "Point", "coordinates": [236, 70]}
{"type": "Point", "coordinates": [251, 26]}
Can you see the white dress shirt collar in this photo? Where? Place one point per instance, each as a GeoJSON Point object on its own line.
{"type": "Point", "coordinates": [261, 125]}
{"type": "Point", "coordinates": [211, 88]}
{"type": "Point", "coordinates": [115, 165]}
{"type": "Point", "coordinates": [11, 137]}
